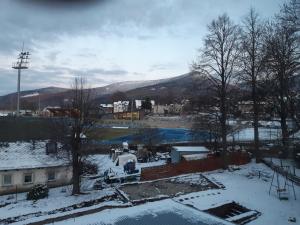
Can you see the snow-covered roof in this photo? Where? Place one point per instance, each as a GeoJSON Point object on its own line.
{"type": "Point", "coordinates": [26, 155]}
{"type": "Point", "coordinates": [106, 105]}
{"type": "Point", "coordinates": [190, 149]}
{"type": "Point", "coordinates": [121, 103]}
{"type": "Point", "coordinates": [123, 159]}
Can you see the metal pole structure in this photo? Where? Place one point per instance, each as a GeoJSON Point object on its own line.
{"type": "Point", "coordinates": [131, 112]}
{"type": "Point", "coordinates": [39, 104]}
{"type": "Point", "coordinates": [18, 100]}
{"type": "Point", "coordinates": [22, 63]}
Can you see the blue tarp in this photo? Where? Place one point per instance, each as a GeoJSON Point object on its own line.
{"type": "Point", "coordinates": [162, 135]}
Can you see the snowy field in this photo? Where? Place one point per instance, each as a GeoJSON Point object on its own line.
{"type": "Point", "coordinates": [247, 134]}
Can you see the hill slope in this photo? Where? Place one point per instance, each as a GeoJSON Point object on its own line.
{"type": "Point", "coordinates": [162, 90]}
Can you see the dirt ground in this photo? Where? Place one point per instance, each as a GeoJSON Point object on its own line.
{"type": "Point", "coordinates": [168, 187]}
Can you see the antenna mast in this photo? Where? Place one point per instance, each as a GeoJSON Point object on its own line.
{"type": "Point", "coordinates": [22, 63]}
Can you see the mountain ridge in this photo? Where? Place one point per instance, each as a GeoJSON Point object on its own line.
{"type": "Point", "coordinates": [54, 96]}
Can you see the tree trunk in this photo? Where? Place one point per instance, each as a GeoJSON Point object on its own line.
{"type": "Point", "coordinates": [76, 165]}
{"type": "Point", "coordinates": [283, 111]}
{"type": "Point", "coordinates": [284, 128]}
{"type": "Point", "coordinates": [255, 123]}
{"type": "Point", "coordinates": [223, 126]}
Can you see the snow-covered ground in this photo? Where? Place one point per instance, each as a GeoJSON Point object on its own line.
{"type": "Point", "coordinates": [243, 186]}
{"type": "Point", "coordinates": [17, 205]}
{"type": "Point", "coordinates": [58, 198]}
{"type": "Point", "coordinates": [246, 188]}
{"type": "Point", "coordinates": [247, 134]}
{"type": "Point", "coordinates": [296, 135]}
{"type": "Point", "coordinates": [104, 162]}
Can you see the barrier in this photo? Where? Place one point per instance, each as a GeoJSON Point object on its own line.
{"type": "Point", "coordinates": [202, 165]}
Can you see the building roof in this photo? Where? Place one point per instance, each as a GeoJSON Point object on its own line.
{"type": "Point", "coordinates": [199, 149]}
{"type": "Point", "coordinates": [106, 105]}
{"type": "Point", "coordinates": [26, 155]}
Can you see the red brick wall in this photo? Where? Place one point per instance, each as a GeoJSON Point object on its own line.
{"type": "Point", "coordinates": [202, 165]}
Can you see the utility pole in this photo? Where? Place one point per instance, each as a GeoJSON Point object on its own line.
{"type": "Point", "coordinates": [131, 112]}
{"type": "Point", "coordinates": [22, 63]}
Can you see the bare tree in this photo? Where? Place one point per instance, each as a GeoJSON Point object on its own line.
{"type": "Point", "coordinates": [252, 58]}
{"type": "Point", "coordinates": [290, 13]}
{"type": "Point", "coordinates": [282, 44]}
{"type": "Point", "coordinates": [290, 17]}
{"type": "Point", "coordinates": [70, 127]}
{"type": "Point", "coordinates": [219, 63]}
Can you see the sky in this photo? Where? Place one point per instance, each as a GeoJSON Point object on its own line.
{"type": "Point", "coordinates": [108, 41]}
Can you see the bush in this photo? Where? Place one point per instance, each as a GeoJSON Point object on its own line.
{"type": "Point", "coordinates": [88, 168]}
{"type": "Point", "coordinates": [39, 191]}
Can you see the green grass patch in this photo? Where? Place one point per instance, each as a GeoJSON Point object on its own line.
{"type": "Point", "coordinates": [24, 129]}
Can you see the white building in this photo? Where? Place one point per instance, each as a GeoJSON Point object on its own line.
{"type": "Point", "coordinates": [138, 103]}
{"type": "Point", "coordinates": [174, 109]}
{"type": "Point", "coordinates": [46, 111]}
{"type": "Point", "coordinates": [121, 106]}
{"type": "Point", "coordinates": [25, 164]}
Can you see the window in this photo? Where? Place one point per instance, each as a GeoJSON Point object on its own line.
{"type": "Point", "coordinates": [28, 178]}
{"type": "Point", "coordinates": [7, 179]}
{"type": "Point", "coordinates": [51, 175]}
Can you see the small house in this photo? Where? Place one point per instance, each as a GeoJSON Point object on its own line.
{"type": "Point", "coordinates": [188, 153]}
{"type": "Point", "coordinates": [106, 108]}
{"type": "Point", "coordinates": [25, 164]}
{"type": "Point", "coordinates": [120, 106]}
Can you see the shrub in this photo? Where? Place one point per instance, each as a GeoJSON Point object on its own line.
{"type": "Point", "coordinates": [39, 191]}
{"type": "Point", "coordinates": [88, 168]}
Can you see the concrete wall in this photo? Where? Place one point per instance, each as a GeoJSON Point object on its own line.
{"type": "Point", "coordinates": [176, 155]}
{"type": "Point", "coordinates": [63, 176]}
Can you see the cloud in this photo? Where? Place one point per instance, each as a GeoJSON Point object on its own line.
{"type": "Point", "coordinates": [53, 55]}
{"type": "Point", "coordinates": [56, 76]}
{"type": "Point", "coordinates": [61, 3]}
{"type": "Point", "coordinates": [107, 40]}
{"type": "Point", "coordinates": [47, 20]}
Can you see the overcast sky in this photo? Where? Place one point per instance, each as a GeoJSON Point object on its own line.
{"type": "Point", "coordinates": [108, 40]}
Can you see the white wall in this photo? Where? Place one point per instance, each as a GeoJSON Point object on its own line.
{"type": "Point", "coordinates": [63, 175]}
